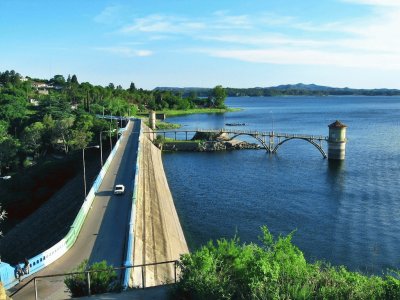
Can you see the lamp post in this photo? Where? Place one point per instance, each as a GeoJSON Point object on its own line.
{"type": "Point", "coordinates": [110, 131]}
{"type": "Point", "coordinates": [101, 144]}
{"type": "Point", "coordinates": [83, 161]}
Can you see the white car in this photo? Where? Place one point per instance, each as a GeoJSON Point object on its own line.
{"type": "Point", "coordinates": [119, 189]}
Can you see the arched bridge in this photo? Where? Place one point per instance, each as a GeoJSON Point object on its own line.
{"type": "Point", "coordinates": [271, 141]}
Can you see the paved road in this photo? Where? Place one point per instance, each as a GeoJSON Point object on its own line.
{"type": "Point", "coordinates": [103, 235]}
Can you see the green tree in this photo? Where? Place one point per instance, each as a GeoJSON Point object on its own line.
{"type": "Point", "coordinates": [8, 152]}
{"type": "Point", "coordinates": [74, 79]}
{"type": "Point", "coordinates": [32, 138]}
{"type": "Point", "coordinates": [132, 87]}
{"type": "Point", "coordinates": [217, 97]}
{"type": "Point", "coordinates": [58, 80]}
{"type": "Point", "coordinates": [63, 134]}
{"type": "Point", "coordinates": [79, 139]}
{"type": "Point", "coordinates": [48, 132]}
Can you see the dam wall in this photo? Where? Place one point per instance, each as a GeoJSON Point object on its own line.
{"type": "Point", "coordinates": [158, 235]}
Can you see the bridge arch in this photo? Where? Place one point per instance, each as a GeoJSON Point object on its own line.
{"type": "Point", "coordinates": [321, 150]}
{"type": "Point", "coordinates": [254, 136]}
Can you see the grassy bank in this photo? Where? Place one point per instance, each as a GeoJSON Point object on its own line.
{"type": "Point", "coordinates": [166, 125]}
{"type": "Point", "coordinates": [161, 125]}
{"type": "Point", "coordinates": [173, 112]}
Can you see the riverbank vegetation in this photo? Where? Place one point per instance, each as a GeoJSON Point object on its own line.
{"type": "Point", "coordinates": [276, 269]}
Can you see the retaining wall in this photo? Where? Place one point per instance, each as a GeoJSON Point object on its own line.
{"type": "Point", "coordinates": [132, 221]}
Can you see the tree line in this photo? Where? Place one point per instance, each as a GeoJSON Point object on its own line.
{"type": "Point", "coordinates": [58, 115]}
{"type": "Point", "coordinates": [286, 90]}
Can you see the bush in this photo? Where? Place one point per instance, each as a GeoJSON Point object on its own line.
{"type": "Point", "coordinates": [100, 282]}
{"type": "Point", "coordinates": [275, 270]}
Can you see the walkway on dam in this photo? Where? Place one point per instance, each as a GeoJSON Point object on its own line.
{"type": "Point", "coordinates": [103, 235]}
{"type": "Point", "coordinates": [158, 232]}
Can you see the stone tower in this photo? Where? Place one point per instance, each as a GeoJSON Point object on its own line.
{"type": "Point", "coordinates": [337, 141]}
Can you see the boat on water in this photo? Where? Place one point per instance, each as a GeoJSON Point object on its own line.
{"type": "Point", "coordinates": [235, 124]}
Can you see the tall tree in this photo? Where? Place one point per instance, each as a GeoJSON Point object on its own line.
{"type": "Point", "coordinates": [218, 96]}
{"type": "Point", "coordinates": [32, 138]}
{"type": "Point", "coordinates": [132, 87]}
{"type": "Point", "coordinates": [63, 131]}
{"type": "Point", "coordinates": [74, 79]}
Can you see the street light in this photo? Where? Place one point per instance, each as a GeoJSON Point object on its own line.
{"type": "Point", "coordinates": [83, 160]}
{"type": "Point", "coordinates": [101, 144]}
{"type": "Point", "coordinates": [6, 177]}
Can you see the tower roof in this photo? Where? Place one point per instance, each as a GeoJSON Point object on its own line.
{"type": "Point", "coordinates": [337, 124]}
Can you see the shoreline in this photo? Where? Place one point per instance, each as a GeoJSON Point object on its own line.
{"type": "Point", "coordinates": [174, 112]}
{"type": "Point", "coordinates": [208, 146]}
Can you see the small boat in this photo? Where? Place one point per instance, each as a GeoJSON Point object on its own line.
{"type": "Point", "coordinates": [235, 124]}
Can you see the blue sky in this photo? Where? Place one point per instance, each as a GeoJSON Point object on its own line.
{"type": "Point", "coordinates": [246, 43]}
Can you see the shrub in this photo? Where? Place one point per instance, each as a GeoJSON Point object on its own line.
{"type": "Point", "coordinates": [100, 282]}
{"type": "Point", "coordinates": [276, 269]}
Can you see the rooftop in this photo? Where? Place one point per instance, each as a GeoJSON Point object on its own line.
{"type": "Point", "coordinates": [337, 124]}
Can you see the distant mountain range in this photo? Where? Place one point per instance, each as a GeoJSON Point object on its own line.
{"type": "Point", "coordinates": [299, 89]}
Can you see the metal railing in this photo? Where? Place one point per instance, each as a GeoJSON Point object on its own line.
{"type": "Point", "coordinates": [242, 132]}
{"type": "Point", "coordinates": [88, 278]}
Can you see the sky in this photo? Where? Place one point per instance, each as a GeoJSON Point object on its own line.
{"type": "Point", "coordinates": [204, 43]}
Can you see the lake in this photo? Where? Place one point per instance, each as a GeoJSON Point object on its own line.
{"type": "Point", "coordinates": [347, 214]}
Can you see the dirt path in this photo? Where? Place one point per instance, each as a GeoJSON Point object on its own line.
{"type": "Point", "coordinates": [158, 233]}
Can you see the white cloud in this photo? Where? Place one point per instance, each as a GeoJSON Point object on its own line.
{"type": "Point", "coordinates": [163, 24]}
{"type": "Point", "coordinates": [269, 38]}
{"type": "Point", "coordinates": [375, 2]}
{"type": "Point", "coordinates": [125, 51]}
{"type": "Point", "coordinates": [310, 57]}
{"type": "Point", "coordinates": [109, 15]}
{"type": "Point", "coordinates": [223, 20]}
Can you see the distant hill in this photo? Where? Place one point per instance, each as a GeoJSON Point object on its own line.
{"type": "Point", "coordinates": [299, 89]}
{"type": "Point", "coordinates": [302, 86]}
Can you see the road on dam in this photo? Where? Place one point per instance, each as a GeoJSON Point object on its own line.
{"type": "Point", "coordinates": [103, 235]}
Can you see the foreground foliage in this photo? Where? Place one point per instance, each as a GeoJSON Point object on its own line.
{"type": "Point", "coordinates": [100, 282]}
{"type": "Point", "coordinates": [275, 270]}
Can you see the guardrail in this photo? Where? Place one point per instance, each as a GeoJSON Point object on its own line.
{"type": "Point", "coordinates": [132, 221]}
{"type": "Point", "coordinates": [40, 261]}
{"type": "Point", "coordinates": [87, 273]}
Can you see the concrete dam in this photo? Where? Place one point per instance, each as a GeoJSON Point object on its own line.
{"type": "Point", "coordinates": [158, 233]}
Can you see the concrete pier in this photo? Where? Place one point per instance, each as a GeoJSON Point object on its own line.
{"type": "Point", "coordinates": [337, 141]}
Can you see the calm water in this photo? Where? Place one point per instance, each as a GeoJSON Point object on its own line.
{"type": "Point", "coordinates": [346, 214]}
